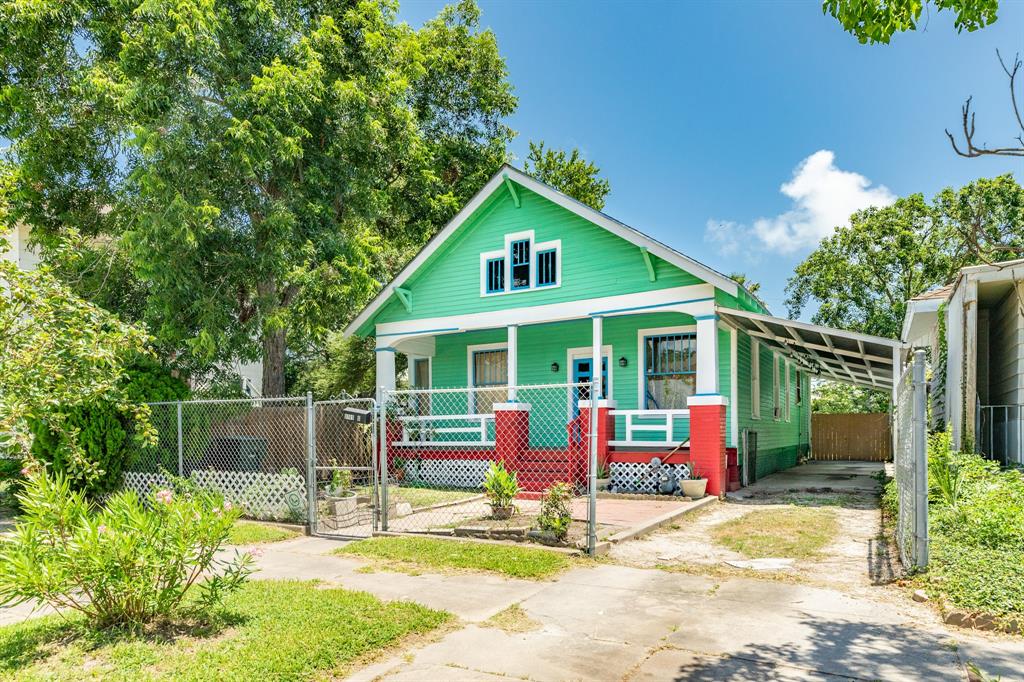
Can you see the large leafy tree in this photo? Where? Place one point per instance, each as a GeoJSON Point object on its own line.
{"type": "Point", "coordinates": [258, 164]}
{"type": "Point", "coordinates": [568, 172]}
{"type": "Point", "coordinates": [862, 276]}
{"type": "Point", "coordinates": [876, 21]}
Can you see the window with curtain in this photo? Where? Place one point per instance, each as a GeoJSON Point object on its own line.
{"type": "Point", "coordinates": [670, 371]}
{"type": "Point", "coordinates": [490, 376]}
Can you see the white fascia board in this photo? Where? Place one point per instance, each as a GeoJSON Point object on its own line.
{"type": "Point", "coordinates": [806, 326]}
{"type": "Point", "coordinates": [596, 217]}
{"type": "Point", "coordinates": [696, 299]}
{"type": "Point", "coordinates": [921, 316]}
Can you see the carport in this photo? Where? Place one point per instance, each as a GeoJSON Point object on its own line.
{"type": "Point", "coordinates": [836, 354]}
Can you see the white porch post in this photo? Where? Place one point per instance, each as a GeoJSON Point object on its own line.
{"type": "Point", "coordinates": [707, 355]}
{"type": "Point", "coordinates": [385, 371]}
{"type": "Point", "coordinates": [513, 361]}
{"type": "Point", "coordinates": [596, 360]}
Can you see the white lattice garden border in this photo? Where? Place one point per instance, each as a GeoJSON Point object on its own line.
{"type": "Point", "coordinates": [638, 477]}
{"type": "Point", "coordinates": [277, 497]}
{"type": "Point", "coordinates": [452, 473]}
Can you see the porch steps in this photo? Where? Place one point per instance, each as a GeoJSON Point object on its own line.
{"type": "Point", "coordinates": [539, 469]}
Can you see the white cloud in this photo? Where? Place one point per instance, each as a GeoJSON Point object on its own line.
{"type": "Point", "coordinates": [823, 198]}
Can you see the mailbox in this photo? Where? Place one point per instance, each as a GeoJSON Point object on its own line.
{"type": "Point", "coordinates": [351, 414]}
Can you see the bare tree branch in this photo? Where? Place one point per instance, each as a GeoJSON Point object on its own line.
{"type": "Point", "coordinates": [970, 150]}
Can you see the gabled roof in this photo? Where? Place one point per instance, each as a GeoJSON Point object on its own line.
{"type": "Point", "coordinates": [594, 216]}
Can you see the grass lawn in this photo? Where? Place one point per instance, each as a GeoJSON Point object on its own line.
{"type": "Point", "coordinates": [428, 553]}
{"type": "Point", "coordinates": [253, 532]}
{"type": "Point", "coordinates": [786, 532]}
{"type": "Point", "coordinates": [267, 631]}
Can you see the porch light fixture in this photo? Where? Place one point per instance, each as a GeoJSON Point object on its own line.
{"type": "Point", "coordinates": [623, 361]}
{"type": "Point", "coordinates": [554, 366]}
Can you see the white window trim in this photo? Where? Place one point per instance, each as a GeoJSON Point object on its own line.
{"type": "Point", "coordinates": [755, 378]}
{"type": "Point", "coordinates": [506, 253]}
{"type": "Point", "coordinates": [788, 404]}
{"type": "Point", "coordinates": [470, 388]}
{"type": "Point", "coordinates": [776, 381]}
{"type": "Point", "coordinates": [585, 352]}
{"type": "Point", "coordinates": [641, 366]}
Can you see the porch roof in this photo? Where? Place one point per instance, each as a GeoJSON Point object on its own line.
{"type": "Point", "coordinates": [849, 357]}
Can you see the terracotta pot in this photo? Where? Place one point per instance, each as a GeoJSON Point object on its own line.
{"type": "Point", "coordinates": [695, 489]}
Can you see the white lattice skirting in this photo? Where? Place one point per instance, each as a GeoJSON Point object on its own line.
{"type": "Point", "coordinates": [451, 473]}
{"type": "Point", "coordinates": [636, 477]}
{"type": "Point", "coordinates": [263, 496]}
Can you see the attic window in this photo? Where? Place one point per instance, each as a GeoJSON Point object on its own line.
{"type": "Point", "coordinates": [521, 264]}
{"type": "Point", "coordinates": [495, 275]}
{"type": "Point", "coordinates": [547, 262]}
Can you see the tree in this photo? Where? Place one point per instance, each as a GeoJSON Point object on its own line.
{"type": "Point", "coordinates": [56, 351]}
{"type": "Point", "coordinates": [862, 276]}
{"type": "Point", "coordinates": [568, 173]}
{"type": "Point", "coordinates": [833, 397]}
{"type": "Point", "coordinates": [741, 279]}
{"type": "Point", "coordinates": [876, 21]}
{"type": "Point", "coordinates": [260, 164]}
{"type": "Point", "coordinates": [970, 150]}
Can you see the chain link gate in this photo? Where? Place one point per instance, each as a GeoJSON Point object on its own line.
{"type": "Point", "coordinates": [911, 463]}
{"type": "Point", "coordinates": [344, 486]}
{"type": "Point", "coordinates": [437, 446]}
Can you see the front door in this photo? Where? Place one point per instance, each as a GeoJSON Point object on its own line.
{"type": "Point", "coordinates": [583, 372]}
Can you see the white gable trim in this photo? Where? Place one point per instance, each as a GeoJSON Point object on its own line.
{"type": "Point", "coordinates": [622, 230]}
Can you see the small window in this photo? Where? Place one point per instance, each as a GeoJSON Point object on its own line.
{"type": "Point", "coordinates": [788, 403]}
{"type": "Point", "coordinates": [670, 371]}
{"type": "Point", "coordinates": [490, 369]}
{"type": "Point", "coordinates": [495, 275]}
{"type": "Point", "coordinates": [521, 264]}
{"type": "Point", "coordinates": [547, 268]}
{"type": "Point", "coordinates": [799, 387]}
{"type": "Point", "coordinates": [755, 379]}
{"type": "Point", "coordinates": [776, 388]}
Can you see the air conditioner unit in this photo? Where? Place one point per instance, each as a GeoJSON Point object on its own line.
{"type": "Point", "coordinates": [749, 456]}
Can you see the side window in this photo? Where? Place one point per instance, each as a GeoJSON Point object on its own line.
{"type": "Point", "coordinates": [547, 268]}
{"type": "Point", "coordinates": [755, 379]}
{"type": "Point", "coordinates": [776, 387]}
{"type": "Point", "coordinates": [799, 387]}
{"type": "Point", "coordinates": [495, 275]}
{"type": "Point", "coordinates": [788, 403]}
{"type": "Point", "coordinates": [521, 264]}
{"type": "Point", "coordinates": [670, 371]}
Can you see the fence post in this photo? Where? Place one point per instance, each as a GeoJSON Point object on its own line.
{"type": "Point", "coordinates": [592, 463]}
{"type": "Point", "coordinates": [920, 455]}
{"type": "Point", "coordinates": [310, 465]}
{"type": "Point", "coordinates": [382, 439]}
{"type": "Point", "coordinates": [181, 445]}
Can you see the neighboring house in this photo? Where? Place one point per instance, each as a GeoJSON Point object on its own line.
{"type": "Point", "coordinates": [974, 331]}
{"type": "Point", "coordinates": [525, 286]}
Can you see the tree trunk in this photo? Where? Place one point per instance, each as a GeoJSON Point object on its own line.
{"type": "Point", "coordinates": [273, 362]}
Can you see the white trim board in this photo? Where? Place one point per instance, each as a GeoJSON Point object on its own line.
{"type": "Point", "coordinates": [496, 183]}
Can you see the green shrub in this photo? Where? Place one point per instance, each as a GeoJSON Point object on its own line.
{"type": "Point", "coordinates": [93, 444]}
{"type": "Point", "coordinates": [500, 485]}
{"type": "Point", "coordinates": [124, 564]}
{"type": "Point", "coordinates": [555, 515]}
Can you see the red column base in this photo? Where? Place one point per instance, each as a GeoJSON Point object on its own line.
{"type": "Point", "coordinates": [707, 440]}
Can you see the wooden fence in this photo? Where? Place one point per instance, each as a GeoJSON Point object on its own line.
{"type": "Point", "coordinates": [851, 437]}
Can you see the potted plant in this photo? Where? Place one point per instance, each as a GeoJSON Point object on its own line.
{"type": "Point", "coordinates": [501, 488]}
{"type": "Point", "coordinates": [694, 487]}
{"type": "Point", "coordinates": [341, 497]}
{"type": "Point", "coordinates": [604, 477]}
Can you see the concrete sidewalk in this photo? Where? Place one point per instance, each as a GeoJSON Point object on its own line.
{"type": "Point", "coordinates": [611, 622]}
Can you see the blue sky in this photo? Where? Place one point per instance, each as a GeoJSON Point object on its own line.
{"type": "Point", "coordinates": [698, 114]}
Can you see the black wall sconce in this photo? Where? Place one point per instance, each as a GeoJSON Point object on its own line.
{"type": "Point", "coordinates": [623, 361]}
{"type": "Point", "coordinates": [554, 366]}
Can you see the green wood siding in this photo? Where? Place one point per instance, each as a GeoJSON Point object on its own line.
{"type": "Point", "coordinates": [780, 443]}
{"type": "Point", "coordinates": [595, 263]}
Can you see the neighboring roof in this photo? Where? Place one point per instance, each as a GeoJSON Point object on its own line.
{"type": "Point", "coordinates": [849, 357]}
{"type": "Point", "coordinates": [594, 216]}
{"type": "Point", "coordinates": [938, 293]}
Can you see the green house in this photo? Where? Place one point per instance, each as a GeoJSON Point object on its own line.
{"type": "Point", "coordinates": [502, 317]}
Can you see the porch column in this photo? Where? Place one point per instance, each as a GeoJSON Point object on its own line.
{"type": "Point", "coordinates": [707, 439]}
{"type": "Point", "coordinates": [385, 371]}
{"type": "Point", "coordinates": [707, 355]}
{"type": "Point", "coordinates": [596, 357]}
{"type": "Point", "coordinates": [513, 361]}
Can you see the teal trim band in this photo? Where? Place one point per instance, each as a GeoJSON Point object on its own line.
{"type": "Point", "coordinates": [422, 331]}
{"type": "Point", "coordinates": [385, 349]}
{"type": "Point", "coordinates": [706, 394]}
{"type": "Point", "coordinates": [706, 317]}
{"type": "Point", "coordinates": [649, 307]}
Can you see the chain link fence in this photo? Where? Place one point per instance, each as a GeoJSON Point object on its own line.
{"type": "Point", "coordinates": [911, 465]}
{"type": "Point", "coordinates": [345, 478]}
{"type": "Point", "coordinates": [494, 462]}
{"type": "Point", "coordinates": [253, 451]}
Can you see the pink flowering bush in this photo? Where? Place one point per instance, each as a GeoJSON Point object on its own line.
{"type": "Point", "coordinates": [127, 563]}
